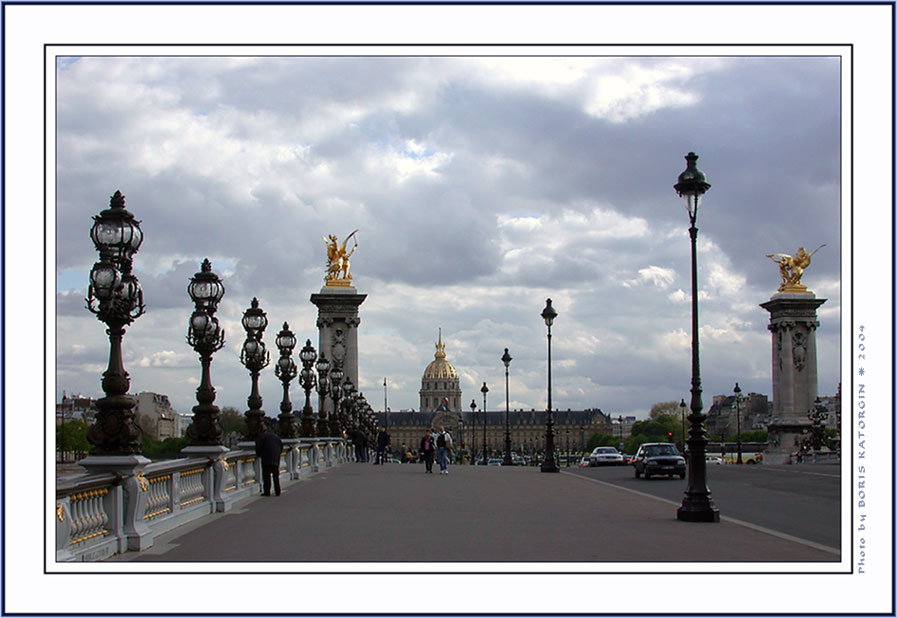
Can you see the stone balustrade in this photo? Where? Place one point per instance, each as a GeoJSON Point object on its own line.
{"type": "Point", "coordinates": [101, 514]}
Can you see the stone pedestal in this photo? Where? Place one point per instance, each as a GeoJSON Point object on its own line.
{"type": "Point", "coordinates": [337, 329]}
{"type": "Point", "coordinates": [792, 321]}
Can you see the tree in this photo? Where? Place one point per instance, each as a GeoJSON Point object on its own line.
{"type": "Point", "coordinates": [602, 439]}
{"type": "Point", "coordinates": [232, 421]}
{"type": "Point", "coordinates": [670, 408]}
{"type": "Point", "coordinates": [72, 438]}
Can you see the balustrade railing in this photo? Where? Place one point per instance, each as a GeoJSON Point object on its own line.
{"type": "Point", "coordinates": [100, 514]}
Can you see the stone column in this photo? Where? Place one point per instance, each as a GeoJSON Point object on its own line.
{"type": "Point", "coordinates": [338, 330]}
{"type": "Point", "coordinates": [792, 321]}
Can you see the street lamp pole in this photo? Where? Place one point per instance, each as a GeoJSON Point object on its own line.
{"type": "Point", "coordinates": [697, 504]}
{"type": "Point", "coordinates": [548, 462]}
{"type": "Point", "coordinates": [385, 407]}
{"type": "Point", "coordinates": [506, 359]}
{"type": "Point", "coordinates": [738, 419]}
{"type": "Point", "coordinates": [484, 390]}
{"type": "Point", "coordinates": [682, 411]}
{"type": "Point", "coordinates": [473, 440]}
{"type": "Point", "coordinates": [285, 369]}
{"type": "Point", "coordinates": [254, 357]}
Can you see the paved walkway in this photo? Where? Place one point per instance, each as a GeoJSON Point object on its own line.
{"type": "Point", "coordinates": [366, 513]}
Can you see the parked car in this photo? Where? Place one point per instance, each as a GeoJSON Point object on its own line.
{"type": "Point", "coordinates": [656, 458]}
{"type": "Point", "coordinates": [584, 462]}
{"type": "Point", "coordinates": [628, 459]}
{"type": "Point", "coordinates": [605, 456]}
{"type": "Point", "coordinates": [518, 460]}
{"type": "Point", "coordinates": [494, 462]}
{"type": "Point", "coordinates": [713, 460]}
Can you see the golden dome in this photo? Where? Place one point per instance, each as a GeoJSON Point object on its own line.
{"type": "Point", "coordinates": [440, 368]}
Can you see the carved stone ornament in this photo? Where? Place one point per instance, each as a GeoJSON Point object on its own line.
{"type": "Point", "coordinates": [338, 344]}
{"type": "Point", "coordinates": [799, 349]}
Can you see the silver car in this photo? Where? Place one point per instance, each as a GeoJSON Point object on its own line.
{"type": "Point", "coordinates": [605, 456]}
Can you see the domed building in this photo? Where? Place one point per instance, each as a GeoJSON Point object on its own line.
{"type": "Point", "coordinates": [440, 389]}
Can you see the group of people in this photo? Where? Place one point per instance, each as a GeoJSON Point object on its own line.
{"type": "Point", "coordinates": [438, 446]}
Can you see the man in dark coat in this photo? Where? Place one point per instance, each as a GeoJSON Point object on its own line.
{"type": "Point", "coordinates": [268, 448]}
{"type": "Point", "coordinates": [382, 443]}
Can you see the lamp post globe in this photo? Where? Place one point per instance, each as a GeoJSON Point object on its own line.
{"type": "Point", "coordinates": [506, 359]}
{"type": "Point", "coordinates": [206, 336]}
{"type": "Point", "coordinates": [484, 390]}
{"type": "Point", "coordinates": [115, 297]}
{"type": "Point", "coordinates": [697, 504]}
{"type": "Point", "coordinates": [549, 464]}
{"type": "Point", "coordinates": [254, 357]}
{"type": "Point", "coordinates": [285, 369]}
{"type": "Point", "coordinates": [323, 369]}
{"type": "Point", "coordinates": [307, 356]}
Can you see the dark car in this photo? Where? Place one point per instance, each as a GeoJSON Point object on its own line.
{"type": "Point", "coordinates": [658, 458]}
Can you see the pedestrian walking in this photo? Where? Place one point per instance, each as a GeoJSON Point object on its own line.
{"type": "Point", "coordinates": [443, 449]}
{"type": "Point", "coordinates": [358, 442]}
{"type": "Point", "coordinates": [382, 443]}
{"type": "Point", "coordinates": [428, 451]}
{"type": "Point", "coordinates": [268, 448]}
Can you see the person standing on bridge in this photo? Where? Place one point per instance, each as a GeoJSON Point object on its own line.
{"type": "Point", "coordinates": [268, 448]}
{"type": "Point", "coordinates": [443, 449]}
{"type": "Point", "coordinates": [382, 443]}
{"type": "Point", "coordinates": [428, 451]}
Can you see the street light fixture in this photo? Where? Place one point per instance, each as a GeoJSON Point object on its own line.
{"type": "Point", "coordinates": [115, 297]}
{"type": "Point", "coordinates": [697, 504]}
{"type": "Point", "coordinates": [323, 369]}
{"type": "Point", "coordinates": [682, 412]}
{"type": "Point", "coordinates": [205, 336]}
{"type": "Point", "coordinates": [484, 390]}
{"type": "Point", "coordinates": [473, 440]}
{"type": "Point", "coordinates": [285, 369]}
{"type": "Point", "coordinates": [307, 355]}
{"type": "Point", "coordinates": [254, 357]}
{"type": "Point", "coordinates": [506, 359]}
{"type": "Point", "coordinates": [738, 419]}
{"type": "Point", "coordinates": [548, 462]}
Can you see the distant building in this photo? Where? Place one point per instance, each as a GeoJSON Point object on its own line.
{"type": "Point", "coordinates": [722, 417]}
{"type": "Point", "coordinates": [155, 416]}
{"type": "Point", "coordinates": [77, 408]}
{"type": "Point", "coordinates": [440, 388]}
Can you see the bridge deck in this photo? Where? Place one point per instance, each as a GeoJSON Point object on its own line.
{"type": "Point", "coordinates": [397, 513]}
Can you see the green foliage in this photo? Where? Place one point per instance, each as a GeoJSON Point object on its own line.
{"type": "Point", "coordinates": [758, 435]}
{"type": "Point", "coordinates": [668, 408]}
{"type": "Point", "coordinates": [166, 449]}
{"type": "Point", "coordinates": [71, 437]}
{"type": "Point", "coordinates": [602, 439]}
{"type": "Point", "coordinates": [231, 420]}
{"type": "Point", "coordinates": [657, 429]}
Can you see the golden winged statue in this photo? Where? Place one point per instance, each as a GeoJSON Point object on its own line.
{"type": "Point", "coordinates": [792, 267]}
{"type": "Point", "coordinates": [338, 260]}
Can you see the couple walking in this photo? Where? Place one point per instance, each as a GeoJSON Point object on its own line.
{"type": "Point", "coordinates": [436, 445]}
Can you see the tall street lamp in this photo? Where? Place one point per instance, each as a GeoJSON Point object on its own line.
{"type": "Point", "coordinates": [738, 419]}
{"type": "Point", "coordinates": [506, 359]}
{"type": "Point", "coordinates": [548, 462]}
{"type": "Point", "coordinates": [484, 390]}
{"type": "Point", "coordinates": [307, 355]}
{"type": "Point", "coordinates": [697, 504]}
{"type": "Point", "coordinates": [682, 411]}
{"type": "Point", "coordinates": [205, 336]}
{"type": "Point", "coordinates": [620, 422]}
{"type": "Point", "coordinates": [385, 406]}
{"type": "Point", "coordinates": [286, 370]}
{"type": "Point", "coordinates": [115, 297]}
{"type": "Point", "coordinates": [473, 440]}
{"type": "Point", "coordinates": [254, 357]}
{"type": "Point", "coordinates": [323, 369]}
{"type": "Point", "coordinates": [336, 392]}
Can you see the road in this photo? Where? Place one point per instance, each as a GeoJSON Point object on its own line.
{"type": "Point", "coordinates": [807, 498]}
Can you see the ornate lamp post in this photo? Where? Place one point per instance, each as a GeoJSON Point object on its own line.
{"type": "Point", "coordinates": [336, 393]}
{"type": "Point", "coordinates": [697, 504]}
{"type": "Point", "coordinates": [385, 406]}
{"type": "Point", "coordinates": [484, 390]}
{"type": "Point", "coordinates": [738, 420]}
{"type": "Point", "coordinates": [548, 462]}
{"type": "Point", "coordinates": [308, 355]}
{"type": "Point", "coordinates": [286, 370]}
{"type": "Point", "coordinates": [205, 336]}
{"type": "Point", "coordinates": [115, 297]}
{"type": "Point", "coordinates": [254, 357]}
{"type": "Point", "coordinates": [323, 369]}
{"type": "Point", "coordinates": [682, 411]}
{"type": "Point", "coordinates": [473, 440]}
{"type": "Point", "coordinates": [506, 359]}
{"type": "Point", "coordinates": [620, 422]}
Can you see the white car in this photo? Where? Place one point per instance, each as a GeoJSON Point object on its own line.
{"type": "Point", "coordinates": [605, 456]}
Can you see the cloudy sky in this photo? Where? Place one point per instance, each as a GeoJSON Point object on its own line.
{"type": "Point", "coordinates": [480, 186]}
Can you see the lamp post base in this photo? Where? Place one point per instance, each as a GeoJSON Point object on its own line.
{"type": "Point", "coordinates": [698, 512]}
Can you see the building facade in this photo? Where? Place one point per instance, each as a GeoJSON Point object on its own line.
{"type": "Point", "coordinates": [155, 416]}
